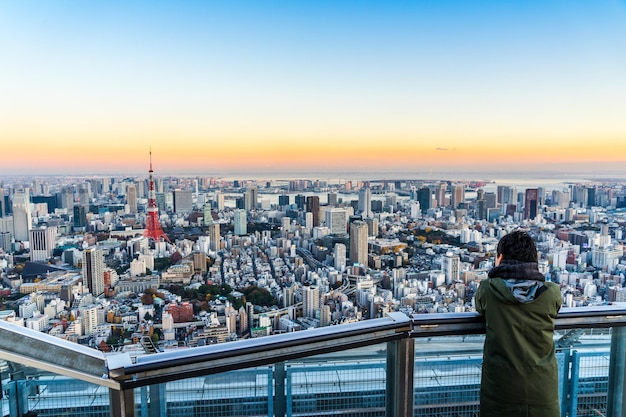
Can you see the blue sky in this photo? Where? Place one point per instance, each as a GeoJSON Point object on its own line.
{"type": "Point", "coordinates": [439, 73]}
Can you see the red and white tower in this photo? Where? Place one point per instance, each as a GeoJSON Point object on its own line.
{"type": "Point", "coordinates": [153, 226]}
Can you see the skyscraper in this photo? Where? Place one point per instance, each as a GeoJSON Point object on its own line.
{"type": "Point", "coordinates": [251, 198]}
{"type": "Point", "coordinates": [3, 210]}
{"type": "Point", "coordinates": [67, 198]}
{"type": "Point", "coordinates": [22, 218]}
{"type": "Point", "coordinates": [42, 241]}
{"type": "Point", "coordinates": [358, 242]}
{"type": "Point", "coordinates": [93, 270]}
{"type": "Point", "coordinates": [313, 207]}
{"type": "Point", "coordinates": [214, 236]}
{"type": "Point", "coordinates": [183, 201]}
{"type": "Point", "coordinates": [424, 198]}
{"type": "Point", "coordinates": [451, 265]}
{"type": "Point", "coordinates": [531, 203]}
{"type": "Point", "coordinates": [337, 220]}
{"type": "Point", "coordinates": [131, 198]}
{"type": "Point", "coordinates": [339, 255]}
{"type": "Point", "coordinates": [365, 202]}
{"type": "Point", "coordinates": [240, 222]}
{"type": "Point", "coordinates": [310, 300]}
{"type": "Point", "coordinates": [458, 195]}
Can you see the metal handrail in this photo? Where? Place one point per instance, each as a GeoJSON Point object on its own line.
{"type": "Point", "coordinates": [42, 351]}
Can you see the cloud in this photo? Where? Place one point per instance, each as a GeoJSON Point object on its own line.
{"type": "Point", "coordinates": [445, 149]}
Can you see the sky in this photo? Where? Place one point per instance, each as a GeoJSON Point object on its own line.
{"type": "Point", "coordinates": [222, 87]}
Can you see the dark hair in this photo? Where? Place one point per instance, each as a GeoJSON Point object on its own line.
{"type": "Point", "coordinates": [518, 246]}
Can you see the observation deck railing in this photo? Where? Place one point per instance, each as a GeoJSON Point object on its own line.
{"type": "Point", "coordinates": [424, 365]}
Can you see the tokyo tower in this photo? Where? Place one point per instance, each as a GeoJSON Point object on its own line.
{"type": "Point", "coordinates": [153, 226]}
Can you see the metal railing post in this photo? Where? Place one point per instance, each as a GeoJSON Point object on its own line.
{"type": "Point", "coordinates": [158, 401]}
{"type": "Point", "coordinates": [400, 375]}
{"type": "Point", "coordinates": [280, 401]}
{"type": "Point", "coordinates": [616, 406]}
{"type": "Point", "coordinates": [122, 403]}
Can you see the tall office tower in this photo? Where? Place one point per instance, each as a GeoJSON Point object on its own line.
{"type": "Point", "coordinates": [153, 225]}
{"type": "Point", "coordinates": [365, 202]}
{"type": "Point", "coordinates": [22, 218]}
{"type": "Point", "coordinates": [286, 226]}
{"type": "Point", "coordinates": [313, 207]}
{"type": "Point", "coordinates": [451, 265]}
{"type": "Point", "coordinates": [530, 203]}
{"type": "Point", "coordinates": [358, 242]}
{"type": "Point", "coordinates": [440, 194]}
{"type": "Point", "coordinates": [332, 199]}
{"type": "Point", "coordinates": [131, 198]}
{"type": "Point", "coordinates": [591, 197]}
{"type": "Point", "coordinates": [541, 196]}
{"type": "Point", "coordinates": [251, 198]}
{"type": "Point", "coordinates": [67, 198]}
{"type": "Point", "coordinates": [218, 199]}
{"type": "Point", "coordinates": [337, 221]}
{"type": "Point", "coordinates": [300, 201]}
{"type": "Point", "coordinates": [310, 300]}
{"type": "Point", "coordinates": [481, 209]}
{"type": "Point", "coordinates": [183, 201]}
{"type": "Point", "coordinates": [424, 198]}
{"type": "Point", "coordinates": [214, 236]}
{"type": "Point", "coordinates": [457, 196]}
{"type": "Point", "coordinates": [80, 217]}
{"type": "Point", "coordinates": [339, 255]}
{"type": "Point", "coordinates": [241, 222]}
{"type": "Point", "coordinates": [372, 226]}
{"type": "Point", "coordinates": [93, 270]}
{"type": "Point", "coordinates": [490, 199]}
{"type": "Point", "coordinates": [42, 241]}
{"type": "Point", "coordinates": [3, 210]}
{"type": "Point", "coordinates": [6, 239]}
{"type": "Point", "coordinates": [83, 195]}
{"type": "Point", "coordinates": [283, 200]}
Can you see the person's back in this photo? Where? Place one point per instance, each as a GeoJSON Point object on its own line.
{"type": "Point", "coordinates": [520, 375]}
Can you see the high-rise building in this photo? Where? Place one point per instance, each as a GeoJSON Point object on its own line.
{"type": "Point", "coordinates": [365, 202]}
{"type": "Point", "coordinates": [440, 194]}
{"type": "Point", "coordinates": [339, 255]}
{"type": "Point", "coordinates": [451, 265]}
{"type": "Point", "coordinates": [67, 198]}
{"type": "Point", "coordinates": [337, 220]}
{"type": "Point", "coordinates": [531, 203]}
{"type": "Point", "coordinates": [214, 236]}
{"type": "Point", "coordinates": [183, 201]}
{"type": "Point", "coordinates": [424, 198]}
{"type": "Point", "coordinates": [131, 198]}
{"type": "Point", "coordinates": [3, 210]}
{"type": "Point", "coordinates": [251, 198]}
{"type": "Point", "coordinates": [240, 222]}
{"type": "Point", "coordinates": [93, 270]}
{"type": "Point", "coordinates": [332, 199]}
{"type": "Point", "coordinates": [457, 196]}
{"type": "Point", "coordinates": [42, 243]}
{"type": "Point", "coordinates": [283, 200]}
{"type": "Point", "coordinates": [80, 217]}
{"type": "Point", "coordinates": [358, 242]}
{"type": "Point", "coordinates": [22, 218]}
{"type": "Point", "coordinates": [310, 300]}
{"type": "Point", "coordinates": [219, 201]}
{"type": "Point", "coordinates": [313, 207]}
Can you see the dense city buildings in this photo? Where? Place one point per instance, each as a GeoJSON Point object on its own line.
{"type": "Point", "coordinates": [188, 261]}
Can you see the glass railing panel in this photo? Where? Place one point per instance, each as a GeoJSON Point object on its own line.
{"type": "Point", "coordinates": [589, 383]}
{"type": "Point", "coordinates": [50, 395]}
{"type": "Point", "coordinates": [246, 392]}
{"type": "Point", "coordinates": [447, 375]}
{"type": "Point", "coordinates": [346, 383]}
